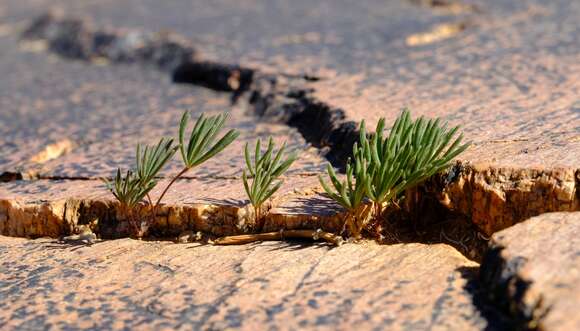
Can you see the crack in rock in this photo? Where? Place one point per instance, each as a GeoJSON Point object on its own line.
{"type": "Point", "coordinates": [492, 198]}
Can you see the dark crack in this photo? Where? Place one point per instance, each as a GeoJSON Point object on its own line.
{"type": "Point", "coordinates": [506, 289]}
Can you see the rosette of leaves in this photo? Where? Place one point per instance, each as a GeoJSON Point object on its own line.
{"type": "Point", "coordinates": [413, 152]}
{"type": "Point", "coordinates": [264, 170]}
{"type": "Point", "coordinates": [201, 144]}
{"type": "Point", "coordinates": [132, 189]}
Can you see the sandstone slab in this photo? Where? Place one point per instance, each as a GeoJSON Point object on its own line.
{"type": "Point", "coordinates": [504, 71]}
{"type": "Point", "coordinates": [154, 285]}
{"type": "Point", "coordinates": [533, 270]}
{"type": "Point", "coordinates": [213, 206]}
{"type": "Point", "coordinates": [78, 121]}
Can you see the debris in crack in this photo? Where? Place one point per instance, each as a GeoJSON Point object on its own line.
{"type": "Point", "coordinates": [53, 151]}
{"type": "Point", "coordinates": [72, 38]}
{"type": "Point", "coordinates": [280, 235]}
{"type": "Point", "coordinates": [435, 34]}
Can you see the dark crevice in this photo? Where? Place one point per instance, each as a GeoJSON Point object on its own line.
{"type": "Point", "coordinates": [281, 98]}
{"type": "Point", "coordinates": [71, 38]}
{"type": "Point", "coordinates": [322, 126]}
{"type": "Point", "coordinates": [215, 76]}
{"type": "Point", "coordinates": [506, 289]}
{"type": "Point", "coordinates": [496, 319]}
{"type": "Point", "coordinates": [9, 176]}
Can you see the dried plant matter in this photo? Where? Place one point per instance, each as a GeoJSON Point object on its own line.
{"type": "Point", "coordinates": [280, 235]}
{"type": "Point", "coordinates": [265, 169]}
{"type": "Point", "coordinates": [385, 167]}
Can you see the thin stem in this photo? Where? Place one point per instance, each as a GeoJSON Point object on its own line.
{"type": "Point", "coordinates": [169, 185]}
{"type": "Point", "coordinates": [156, 206]}
{"type": "Point", "coordinates": [258, 214]}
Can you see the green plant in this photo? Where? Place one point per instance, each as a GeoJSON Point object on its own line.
{"type": "Point", "coordinates": [150, 160]}
{"type": "Point", "coordinates": [350, 192]}
{"type": "Point", "coordinates": [413, 151]}
{"type": "Point", "coordinates": [201, 145]}
{"type": "Point", "coordinates": [136, 185]}
{"type": "Point", "coordinates": [265, 170]}
{"type": "Point", "coordinates": [129, 190]}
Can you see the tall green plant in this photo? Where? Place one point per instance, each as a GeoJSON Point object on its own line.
{"type": "Point", "coordinates": [265, 169]}
{"type": "Point", "coordinates": [413, 151]}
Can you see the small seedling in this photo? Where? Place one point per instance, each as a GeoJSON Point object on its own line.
{"type": "Point", "coordinates": [413, 151]}
{"type": "Point", "coordinates": [150, 160]}
{"type": "Point", "coordinates": [265, 170]}
{"type": "Point", "coordinates": [350, 192]}
{"type": "Point", "coordinates": [201, 145]}
{"type": "Point", "coordinates": [135, 186]}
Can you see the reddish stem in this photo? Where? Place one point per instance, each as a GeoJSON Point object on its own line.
{"type": "Point", "coordinates": [154, 208]}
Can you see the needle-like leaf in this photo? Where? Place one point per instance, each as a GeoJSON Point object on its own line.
{"type": "Point", "coordinates": [265, 172]}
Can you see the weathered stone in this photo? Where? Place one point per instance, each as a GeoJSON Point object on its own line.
{"type": "Point", "coordinates": [445, 59]}
{"type": "Point", "coordinates": [533, 271]}
{"type": "Point", "coordinates": [496, 198]}
{"type": "Point", "coordinates": [217, 207]}
{"type": "Point", "coordinates": [154, 285]}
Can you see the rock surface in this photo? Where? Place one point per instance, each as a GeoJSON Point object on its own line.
{"type": "Point", "coordinates": [330, 70]}
{"type": "Point", "coordinates": [217, 207]}
{"type": "Point", "coordinates": [154, 285]}
{"type": "Point", "coordinates": [533, 271]}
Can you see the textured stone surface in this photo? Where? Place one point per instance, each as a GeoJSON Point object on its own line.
{"type": "Point", "coordinates": [533, 270]}
{"type": "Point", "coordinates": [495, 198]}
{"type": "Point", "coordinates": [154, 285]}
{"type": "Point", "coordinates": [214, 206]}
{"type": "Point", "coordinates": [65, 119]}
{"type": "Point", "coordinates": [504, 71]}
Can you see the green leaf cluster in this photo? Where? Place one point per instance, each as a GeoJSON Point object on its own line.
{"type": "Point", "coordinates": [129, 189]}
{"type": "Point", "coordinates": [151, 159]}
{"type": "Point", "coordinates": [385, 167]}
{"type": "Point", "coordinates": [265, 169]}
{"type": "Point", "coordinates": [202, 144]}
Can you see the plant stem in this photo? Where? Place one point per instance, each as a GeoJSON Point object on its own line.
{"type": "Point", "coordinates": [154, 207]}
{"type": "Point", "coordinates": [279, 235]}
{"type": "Point", "coordinates": [169, 185]}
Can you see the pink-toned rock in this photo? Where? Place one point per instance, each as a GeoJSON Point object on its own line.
{"type": "Point", "coordinates": [533, 271]}
{"type": "Point", "coordinates": [497, 198]}
{"type": "Point", "coordinates": [214, 206]}
{"type": "Point", "coordinates": [154, 285]}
